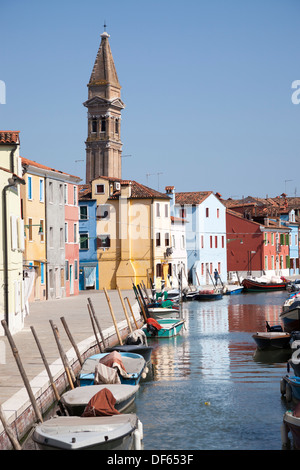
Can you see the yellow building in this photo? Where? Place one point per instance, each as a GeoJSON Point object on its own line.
{"type": "Point", "coordinates": [13, 295]}
{"type": "Point", "coordinates": [133, 232]}
{"type": "Point", "coordinates": [34, 216]}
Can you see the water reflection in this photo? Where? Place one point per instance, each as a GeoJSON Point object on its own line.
{"type": "Point", "coordinates": [214, 360]}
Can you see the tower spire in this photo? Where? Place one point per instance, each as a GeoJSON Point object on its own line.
{"type": "Point", "coordinates": [103, 145]}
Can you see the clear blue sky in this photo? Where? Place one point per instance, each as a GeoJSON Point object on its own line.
{"type": "Point", "coordinates": [206, 83]}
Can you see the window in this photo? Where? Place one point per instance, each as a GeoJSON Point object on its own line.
{"type": "Point", "coordinates": [272, 262]}
{"type": "Point", "coordinates": [103, 241]}
{"type": "Point", "coordinates": [157, 209]}
{"type": "Point", "coordinates": [103, 125]}
{"type": "Point", "coordinates": [166, 210]}
{"type": "Point", "coordinates": [75, 269]}
{"type": "Point", "coordinates": [41, 190]}
{"type": "Point", "coordinates": [272, 239]}
{"type": "Point", "coordinates": [42, 273]}
{"type": "Point", "coordinates": [219, 267]}
{"type": "Point", "coordinates": [182, 212]}
{"type": "Point", "coordinates": [222, 241]}
{"type": "Point", "coordinates": [266, 263]}
{"type": "Point", "coordinates": [30, 230]}
{"type": "Point", "coordinates": [66, 232]}
{"type": "Point", "coordinates": [99, 188]}
{"type": "Point", "coordinates": [42, 230]}
{"type": "Point", "coordinates": [117, 126]}
{"type": "Point", "coordinates": [50, 191]}
{"type": "Point", "coordinates": [216, 241]}
{"type": "Point", "coordinates": [61, 237]}
{"type": "Point", "coordinates": [51, 237]}
{"type": "Point", "coordinates": [84, 241]}
{"type": "Point", "coordinates": [202, 241]}
{"type": "Point", "coordinates": [75, 195]}
{"type": "Point", "coordinates": [65, 193]}
{"type": "Point", "coordinates": [158, 239]}
{"type": "Point", "coordinates": [158, 270]}
{"type": "Point", "coordinates": [218, 213]}
{"type": "Point", "coordinates": [202, 269]}
{"type": "Point", "coordinates": [61, 193]}
{"type": "Point", "coordinates": [29, 187]}
{"type": "Point", "coordinates": [182, 242]}
{"type": "Point", "coordinates": [75, 233]}
{"type": "Point", "coordinates": [94, 125]}
{"type": "Point", "coordinates": [211, 241]}
{"type": "Point", "coordinates": [207, 211]}
{"type": "Point", "coordinates": [83, 211]}
{"type": "Point", "coordinates": [167, 239]}
{"type": "Point", "coordinates": [67, 269]}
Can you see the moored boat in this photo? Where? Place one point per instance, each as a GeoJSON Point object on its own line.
{"type": "Point", "coordinates": [113, 367]}
{"type": "Point", "coordinates": [233, 290]}
{"type": "Point", "coordinates": [163, 328]}
{"type": "Point", "coordinates": [264, 284]}
{"type": "Point", "coordinates": [290, 314]}
{"type": "Point", "coordinates": [272, 340]}
{"type": "Point", "coordinates": [75, 401]}
{"type": "Point", "coordinates": [291, 423]}
{"type": "Point", "coordinates": [117, 432]}
{"type": "Point", "coordinates": [290, 387]}
{"type": "Point", "coordinates": [209, 294]}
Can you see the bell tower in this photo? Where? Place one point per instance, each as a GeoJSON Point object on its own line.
{"type": "Point", "coordinates": [104, 106]}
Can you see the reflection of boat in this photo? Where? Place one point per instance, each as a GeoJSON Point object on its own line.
{"type": "Point", "coordinates": [99, 369]}
{"type": "Point", "coordinates": [291, 423]}
{"type": "Point", "coordinates": [263, 285]}
{"type": "Point", "coordinates": [290, 314]}
{"type": "Point", "coordinates": [272, 340]}
{"type": "Point", "coordinates": [209, 294]}
{"type": "Point", "coordinates": [75, 400]}
{"type": "Point", "coordinates": [270, 356]}
{"type": "Point", "coordinates": [117, 432]}
{"type": "Point", "coordinates": [163, 328]}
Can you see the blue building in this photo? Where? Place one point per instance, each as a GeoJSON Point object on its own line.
{"type": "Point", "coordinates": [88, 262]}
{"type": "Point", "coordinates": [288, 220]}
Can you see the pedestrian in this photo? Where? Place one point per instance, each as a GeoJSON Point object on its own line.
{"type": "Point", "coordinates": [216, 275]}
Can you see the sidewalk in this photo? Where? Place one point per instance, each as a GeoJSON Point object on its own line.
{"type": "Point", "coordinates": [75, 311]}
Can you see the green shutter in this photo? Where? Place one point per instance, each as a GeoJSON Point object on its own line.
{"type": "Point", "coordinates": [287, 261]}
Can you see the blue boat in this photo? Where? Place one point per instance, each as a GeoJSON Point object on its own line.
{"type": "Point", "coordinates": [163, 327]}
{"type": "Point", "coordinates": [290, 387]}
{"type": "Point", "coordinates": [134, 365]}
{"type": "Point", "coordinates": [233, 290]}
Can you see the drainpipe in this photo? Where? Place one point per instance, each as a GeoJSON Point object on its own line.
{"type": "Point", "coordinates": [12, 182]}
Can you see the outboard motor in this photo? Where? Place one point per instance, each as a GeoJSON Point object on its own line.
{"type": "Point", "coordinates": [273, 328]}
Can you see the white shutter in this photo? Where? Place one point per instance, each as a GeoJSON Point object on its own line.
{"type": "Point", "coordinates": [14, 233]}
{"type": "Point", "coordinates": [21, 241]}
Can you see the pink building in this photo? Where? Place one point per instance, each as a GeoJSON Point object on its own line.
{"type": "Point", "coordinates": [71, 239]}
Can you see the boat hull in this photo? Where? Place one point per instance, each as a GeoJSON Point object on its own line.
{"type": "Point", "coordinates": [76, 400]}
{"type": "Point", "coordinates": [170, 328]}
{"type": "Point", "coordinates": [134, 365]}
{"type": "Point", "coordinates": [234, 291]}
{"type": "Point", "coordinates": [272, 340]}
{"type": "Point", "coordinates": [253, 286]}
{"type": "Point", "coordinates": [292, 424]}
{"type": "Point", "coordinates": [209, 297]}
{"type": "Point", "coordinates": [115, 432]}
{"type": "Point", "coordinates": [291, 320]}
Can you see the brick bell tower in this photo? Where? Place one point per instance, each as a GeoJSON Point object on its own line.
{"type": "Point", "coordinates": [104, 105]}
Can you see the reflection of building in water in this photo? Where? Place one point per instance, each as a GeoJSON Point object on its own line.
{"type": "Point", "coordinates": [247, 317]}
{"type": "Point", "coordinates": [214, 347]}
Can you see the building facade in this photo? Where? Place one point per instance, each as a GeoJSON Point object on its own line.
{"type": "Point", "coordinates": [205, 235]}
{"type": "Point", "coordinates": [13, 296]}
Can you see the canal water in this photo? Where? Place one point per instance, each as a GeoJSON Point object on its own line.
{"type": "Point", "coordinates": [210, 389]}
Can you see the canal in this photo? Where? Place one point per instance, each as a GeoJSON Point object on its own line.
{"type": "Point", "coordinates": [210, 389]}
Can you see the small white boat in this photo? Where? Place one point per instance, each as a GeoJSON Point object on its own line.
{"type": "Point", "coordinates": [117, 432]}
{"type": "Point", "coordinates": [75, 401]}
{"type": "Point", "coordinates": [291, 423]}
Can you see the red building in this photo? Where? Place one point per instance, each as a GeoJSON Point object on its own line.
{"type": "Point", "coordinates": [254, 248]}
{"type": "Point", "coordinates": [71, 239]}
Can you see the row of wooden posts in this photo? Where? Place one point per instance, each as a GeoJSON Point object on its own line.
{"type": "Point", "coordinates": [68, 369]}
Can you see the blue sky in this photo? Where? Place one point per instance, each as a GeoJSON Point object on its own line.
{"type": "Point", "coordinates": [206, 84]}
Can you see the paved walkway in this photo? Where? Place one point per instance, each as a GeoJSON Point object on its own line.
{"type": "Point", "coordinates": [75, 311]}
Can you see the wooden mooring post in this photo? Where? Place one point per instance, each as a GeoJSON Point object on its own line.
{"type": "Point", "coordinates": [22, 371]}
